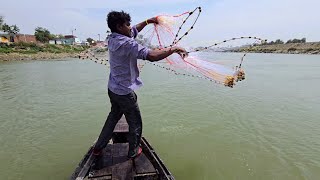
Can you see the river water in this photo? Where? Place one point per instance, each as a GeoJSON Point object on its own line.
{"type": "Point", "coordinates": [267, 127]}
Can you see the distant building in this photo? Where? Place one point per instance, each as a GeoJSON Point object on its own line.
{"type": "Point", "coordinates": [69, 40]}
{"type": "Point", "coordinates": [72, 40]}
{"type": "Point", "coordinates": [57, 41]}
{"type": "Point", "coordinates": [85, 43]}
{"type": "Point", "coordinates": [7, 38]}
{"type": "Point", "coordinates": [25, 38]}
{"type": "Point", "coordinates": [101, 43]}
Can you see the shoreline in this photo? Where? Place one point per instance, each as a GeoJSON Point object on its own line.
{"type": "Point", "coordinates": [310, 48]}
{"type": "Point", "coordinates": [4, 57]}
{"type": "Point", "coordinates": [262, 49]}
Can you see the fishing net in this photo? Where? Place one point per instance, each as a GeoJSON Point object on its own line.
{"type": "Point", "coordinates": [172, 30]}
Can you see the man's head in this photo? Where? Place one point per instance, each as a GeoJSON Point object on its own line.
{"type": "Point", "coordinates": [119, 22]}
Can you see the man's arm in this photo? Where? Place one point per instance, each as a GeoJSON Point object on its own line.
{"type": "Point", "coordinates": [159, 54]}
{"type": "Point", "coordinates": [143, 24]}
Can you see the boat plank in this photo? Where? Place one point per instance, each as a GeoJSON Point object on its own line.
{"type": "Point", "coordinates": [86, 167]}
{"type": "Point", "coordinates": [106, 162]}
{"type": "Point", "coordinates": [101, 178]}
{"type": "Point", "coordinates": [119, 153]}
{"type": "Point", "coordinates": [143, 165]}
{"type": "Point", "coordinates": [102, 173]}
{"type": "Point", "coordinates": [122, 126]}
{"type": "Point", "coordinates": [123, 170]}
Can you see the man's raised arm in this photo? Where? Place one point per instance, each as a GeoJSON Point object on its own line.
{"type": "Point", "coordinates": [143, 24]}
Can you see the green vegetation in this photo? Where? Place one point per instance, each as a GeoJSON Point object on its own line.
{"type": "Point", "coordinates": [303, 40]}
{"type": "Point", "coordinates": [294, 46]}
{"type": "Point", "coordinates": [10, 29]}
{"type": "Point", "coordinates": [279, 41]}
{"type": "Point", "coordinates": [144, 41]}
{"type": "Point", "coordinates": [32, 51]}
{"type": "Point", "coordinates": [14, 29]}
{"type": "Point", "coordinates": [289, 48]}
{"type": "Point", "coordinates": [90, 40]}
{"type": "Point", "coordinates": [43, 35]}
{"type": "Point", "coordinates": [1, 22]}
{"type": "Point", "coordinates": [33, 48]}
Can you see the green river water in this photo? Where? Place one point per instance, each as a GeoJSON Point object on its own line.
{"type": "Point", "coordinates": [267, 127]}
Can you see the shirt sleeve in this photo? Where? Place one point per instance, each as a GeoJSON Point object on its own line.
{"type": "Point", "coordinates": [134, 31]}
{"type": "Point", "coordinates": [136, 50]}
{"type": "Point", "coordinates": [142, 52]}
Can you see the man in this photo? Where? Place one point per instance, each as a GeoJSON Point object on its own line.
{"type": "Point", "coordinates": [124, 78]}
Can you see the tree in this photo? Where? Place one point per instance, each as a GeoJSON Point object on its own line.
{"type": "Point", "coordinates": [5, 27]}
{"type": "Point", "coordinates": [1, 22]}
{"type": "Point", "coordinates": [14, 29]}
{"type": "Point", "coordinates": [279, 41]}
{"type": "Point", "coordinates": [303, 40]}
{"type": "Point", "coordinates": [42, 34]}
{"type": "Point", "coordinates": [295, 41]}
{"type": "Point", "coordinates": [90, 40]}
{"type": "Point", "coordinates": [143, 41]}
{"type": "Point", "coordinates": [52, 36]}
{"type": "Point", "coordinates": [60, 36]}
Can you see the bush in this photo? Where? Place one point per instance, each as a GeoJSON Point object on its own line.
{"type": "Point", "coordinates": [309, 49]}
{"type": "Point", "coordinates": [28, 52]}
{"type": "Point", "coordinates": [52, 46]}
{"type": "Point", "coordinates": [292, 49]}
{"type": "Point", "coordinates": [303, 40]}
{"type": "Point", "coordinates": [5, 50]}
{"type": "Point", "coordinates": [31, 48]}
{"type": "Point", "coordinates": [25, 44]}
{"type": "Point", "coordinates": [4, 45]}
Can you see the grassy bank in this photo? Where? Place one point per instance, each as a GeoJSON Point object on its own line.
{"type": "Point", "coordinates": [28, 51]}
{"type": "Point", "coordinates": [290, 48]}
{"type": "Point", "coordinates": [33, 48]}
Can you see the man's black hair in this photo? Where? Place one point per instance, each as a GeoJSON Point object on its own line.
{"type": "Point", "coordinates": [114, 18]}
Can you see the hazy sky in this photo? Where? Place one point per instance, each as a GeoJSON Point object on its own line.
{"type": "Point", "coordinates": [269, 19]}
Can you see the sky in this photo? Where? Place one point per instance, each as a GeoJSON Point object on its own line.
{"type": "Point", "coordinates": [220, 19]}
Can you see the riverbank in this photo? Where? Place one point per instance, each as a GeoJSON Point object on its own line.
{"type": "Point", "coordinates": [289, 48]}
{"type": "Point", "coordinates": [32, 51]}
{"type": "Point", "coordinates": [36, 56]}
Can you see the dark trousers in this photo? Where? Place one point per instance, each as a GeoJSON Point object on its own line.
{"type": "Point", "coordinates": [127, 105]}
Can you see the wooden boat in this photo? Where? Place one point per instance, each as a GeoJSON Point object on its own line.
{"type": "Point", "coordinates": [114, 163]}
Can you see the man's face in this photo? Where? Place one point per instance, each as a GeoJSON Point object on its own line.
{"type": "Point", "coordinates": [125, 29]}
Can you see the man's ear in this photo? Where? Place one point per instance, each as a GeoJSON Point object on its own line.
{"type": "Point", "coordinates": [119, 27]}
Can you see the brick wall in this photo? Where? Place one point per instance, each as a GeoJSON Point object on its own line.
{"type": "Point", "coordinates": [25, 38]}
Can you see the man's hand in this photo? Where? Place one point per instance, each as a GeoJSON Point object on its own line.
{"type": "Point", "coordinates": [181, 51]}
{"type": "Point", "coordinates": [159, 54]}
{"type": "Point", "coordinates": [143, 24]}
{"type": "Point", "coordinates": [153, 20]}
